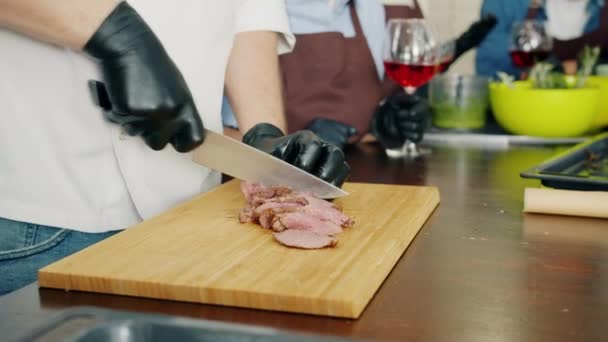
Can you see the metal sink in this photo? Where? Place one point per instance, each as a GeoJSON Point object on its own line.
{"type": "Point", "coordinates": [93, 325]}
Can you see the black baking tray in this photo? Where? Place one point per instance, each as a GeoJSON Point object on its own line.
{"type": "Point", "coordinates": [582, 167]}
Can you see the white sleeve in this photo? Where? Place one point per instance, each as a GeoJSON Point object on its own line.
{"type": "Point", "coordinates": [266, 15]}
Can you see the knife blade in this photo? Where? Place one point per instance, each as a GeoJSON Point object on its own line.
{"type": "Point", "coordinates": [241, 161]}
{"type": "Point", "coordinates": [244, 162]}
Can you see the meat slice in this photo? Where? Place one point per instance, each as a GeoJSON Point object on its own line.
{"type": "Point", "coordinates": [328, 214]}
{"type": "Point", "coordinates": [327, 211]}
{"type": "Point", "coordinates": [298, 219]}
{"type": "Point", "coordinates": [304, 239]}
{"type": "Point", "coordinates": [258, 201]}
{"type": "Point", "coordinates": [266, 212]}
{"type": "Point", "coordinates": [277, 207]}
{"type": "Point", "coordinates": [301, 221]}
{"type": "Point", "coordinates": [250, 189]}
{"type": "Point", "coordinates": [321, 203]}
{"type": "Point", "coordinates": [266, 218]}
{"type": "Point", "coordinates": [253, 191]}
{"type": "Point", "coordinates": [246, 215]}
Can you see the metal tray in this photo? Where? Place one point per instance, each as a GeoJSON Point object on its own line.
{"type": "Point", "coordinates": [582, 167]}
{"type": "Point", "coordinates": [89, 324]}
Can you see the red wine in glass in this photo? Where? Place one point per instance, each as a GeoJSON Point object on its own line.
{"type": "Point", "coordinates": [527, 59]}
{"type": "Point", "coordinates": [410, 75]}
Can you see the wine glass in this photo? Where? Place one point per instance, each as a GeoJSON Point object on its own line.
{"type": "Point", "coordinates": [530, 43]}
{"type": "Point", "coordinates": [411, 58]}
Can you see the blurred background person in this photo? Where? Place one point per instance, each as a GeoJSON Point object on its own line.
{"type": "Point", "coordinates": [334, 80]}
{"type": "Point", "coordinates": [573, 24]}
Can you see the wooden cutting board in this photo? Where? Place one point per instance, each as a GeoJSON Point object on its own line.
{"type": "Point", "coordinates": [199, 252]}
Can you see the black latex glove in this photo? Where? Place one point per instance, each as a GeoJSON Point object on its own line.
{"type": "Point", "coordinates": [147, 92]}
{"type": "Point", "coordinates": [476, 33]}
{"type": "Point", "coordinates": [333, 132]}
{"type": "Point", "coordinates": [401, 117]}
{"type": "Point", "coordinates": [302, 149]}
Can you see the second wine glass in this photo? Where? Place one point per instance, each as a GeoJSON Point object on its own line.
{"type": "Point", "coordinates": [530, 43]}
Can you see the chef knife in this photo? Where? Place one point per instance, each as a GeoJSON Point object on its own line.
{"type": "Point", "coordinates": [233, 158]}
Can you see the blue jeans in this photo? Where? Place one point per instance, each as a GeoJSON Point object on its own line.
{"type": "Point", "coordinates": [26, 247]}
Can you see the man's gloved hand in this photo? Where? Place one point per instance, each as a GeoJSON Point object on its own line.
{"type": "Point", "coordinates": [147, 92]}
{"type": "Point", "coordinates": [333, 132]}
{"type": "Point", "coordinates": [476, 33]}
{"type": "Point", "coordinates": [401, 117]}
{"type": "Point", "coordinates": [302, 149]}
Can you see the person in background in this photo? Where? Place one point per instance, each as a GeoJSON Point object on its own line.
{"type": "Point", "coordinates": [334, 80]}
{"type": "Point", "coordinates": [572, 23]}
{"type": "Point", "coordinates": [69, 177]}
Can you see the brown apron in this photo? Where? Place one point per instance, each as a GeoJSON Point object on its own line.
{"type": "Point", "coordinates": [403, 12]}
{"type": "Point", "coordinates": [330, 76]}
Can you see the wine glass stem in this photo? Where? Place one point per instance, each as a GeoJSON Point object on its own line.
{"type": "Point", "coordinates": [409, 147]}
{"type": "Point", "coordinates": [409, 90]}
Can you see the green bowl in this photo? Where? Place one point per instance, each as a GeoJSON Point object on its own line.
{"type": "Point", "coordinates": [549, 113]}
{"type": "Point", "coordinates": [601, 120]}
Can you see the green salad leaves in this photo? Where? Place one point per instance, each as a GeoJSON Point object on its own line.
{"type": "Point", "coordinates": [543, 76]}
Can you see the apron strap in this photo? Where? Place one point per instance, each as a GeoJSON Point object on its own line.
{"type": "Point", "coordinates": [418, 8]}
{"type": "Point", "coordinates": [402, 11]}
{"type": "Point", "coordinates": [355, 19]}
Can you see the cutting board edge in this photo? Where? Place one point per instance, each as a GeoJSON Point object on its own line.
{"type": "Point", "coordinates": [436, 199]}
{"type": "Point", "coordinates": [86, 283]}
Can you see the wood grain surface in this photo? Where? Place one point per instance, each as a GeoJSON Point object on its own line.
{"type": "Point", "coordinates": [199, 252]}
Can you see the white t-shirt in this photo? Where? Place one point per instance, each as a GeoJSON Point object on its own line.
{"type": "Point", "coordinates": [63, 165]}
{"type": "Point", "coordinates": [566, 19]}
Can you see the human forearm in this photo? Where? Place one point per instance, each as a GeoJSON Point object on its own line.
{"type": "Point", "coordinates": [68, 23]}
{"type": "Point", "coordinates": [253, 84]}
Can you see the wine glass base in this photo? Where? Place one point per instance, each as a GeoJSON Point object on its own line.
{"type": "Point", "coordinates": [409, 149]}
{"type": "Point", "coordinates": [410, 90]}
